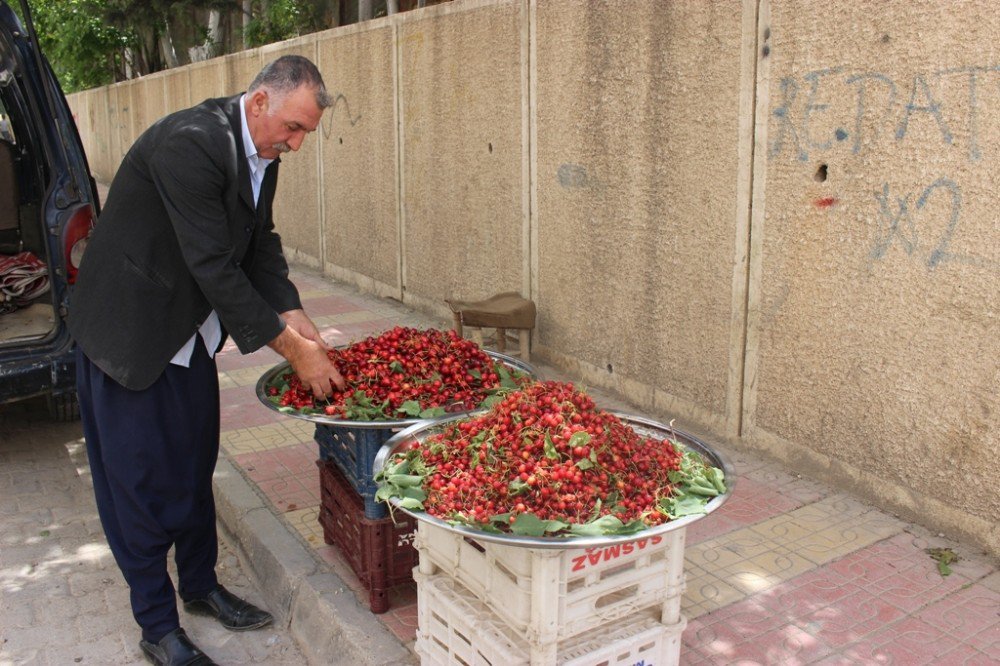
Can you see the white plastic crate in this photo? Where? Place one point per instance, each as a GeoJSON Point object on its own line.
{"type": "Point", "coordinates": [553, 594]}
{"type": "Point", "coordinates": [455, 627]}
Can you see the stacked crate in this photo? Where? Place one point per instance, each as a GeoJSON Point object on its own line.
{"type": "Point", "coordinates": [483, 602]}
{"type": "Point", "coordinates": [378, 547]}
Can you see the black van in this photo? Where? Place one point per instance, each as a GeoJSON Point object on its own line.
{"type": "Point", "coordinates": [48, 206]}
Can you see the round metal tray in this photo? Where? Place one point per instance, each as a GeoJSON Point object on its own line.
{"type": "Point", "coordinates": [280, 369]}
{"type": "Point", "coordinates": [645, 427]}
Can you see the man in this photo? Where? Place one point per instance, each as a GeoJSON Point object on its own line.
{"type": "Point", "coordinates": [184, 254]}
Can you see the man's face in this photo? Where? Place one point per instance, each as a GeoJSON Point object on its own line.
{"type": "Point", "coordinates": [279, 124]}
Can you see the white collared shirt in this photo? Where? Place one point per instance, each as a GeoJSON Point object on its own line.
{"type": "Point", "coordinates": [211, 329]}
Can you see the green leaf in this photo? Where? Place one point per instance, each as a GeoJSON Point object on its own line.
{"type": "Point", "coordinates": [491, 400]}
{"type": "Point", "coordinates": [432, 412]}
{"type": "Point", "coordinates": [507, 380]}
{"type": "Point", "coordinates": [396, 366]}
{"type": "Point", "coordinates": [579, 438]}
{"type": "Point", "coordinates": [549, 448]}
{"type": "Point", "coordinates": [412, 504]}
{"type": "Point", "coordinates": [678, 507]}
{"type": "Point", "coordinates": [404, 480]}
{"type": "Point", "coordinates": [528, 524]}
{"type": "Point", "coordinates": [410, 408]}
{"type": "Point", "coordinates": [701, 486]}
{"type": "Point", "coordinates": [603, 525]}
{"type": "Point", "coordinates": [413, 493]}
{"type": "Point", "coordinates": [584, 463]}
{"type": "Point", "coordinates": [717, 477]}
{"type": "Point", "coordinates": [517, 486]}
{"type": "Point", "coordinates": [944, 557]}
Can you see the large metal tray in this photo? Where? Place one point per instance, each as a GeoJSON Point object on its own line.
{"type": "Point", "coordinates": [645, 427]}
{"type": "Point", "coordinates": [282, 368]}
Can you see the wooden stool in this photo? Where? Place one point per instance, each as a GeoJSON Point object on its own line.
{"type": "Point", "coordinates": [508, 310]}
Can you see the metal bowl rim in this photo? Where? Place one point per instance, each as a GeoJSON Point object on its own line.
{"type": "Point", "coordinates": [324, 419]}
{"type": "Point", "coordinates": [686, 439]}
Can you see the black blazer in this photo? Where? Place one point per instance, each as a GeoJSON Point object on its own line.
{"type": "Point", "coordinates": [178, 237]}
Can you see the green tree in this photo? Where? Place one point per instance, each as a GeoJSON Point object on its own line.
{"type": "Point", "coordinates": [83, 49]}
{"type": "Point", "coordinates": [276, 20]}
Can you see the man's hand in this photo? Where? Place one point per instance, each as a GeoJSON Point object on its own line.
{"type": "Point", "coordinates": [303, 325]}
{"type": "Point", "coordinates": [308, 359]}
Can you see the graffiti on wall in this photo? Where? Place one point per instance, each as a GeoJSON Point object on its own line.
{"type": "Point", "coordinates": [339, 100]}
{"type": "Point", "coordinates": [831, 111]}
{"type": "Point", "coordinates": [805, 128]}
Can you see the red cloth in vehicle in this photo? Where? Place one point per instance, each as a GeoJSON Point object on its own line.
{"type": "Point", "coordinates": [23, 277]}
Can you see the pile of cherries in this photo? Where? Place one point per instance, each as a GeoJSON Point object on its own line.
{"type": "Point", "coordinates": [403, 373]}
{"type": "Point", "coordinates": [545, 450]}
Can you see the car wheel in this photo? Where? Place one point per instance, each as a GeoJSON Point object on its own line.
{"type": "Point", "coordinates": [64, 406]}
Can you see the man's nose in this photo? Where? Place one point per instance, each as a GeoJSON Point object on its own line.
{"type": "Point", "coordinates": [295, 141]}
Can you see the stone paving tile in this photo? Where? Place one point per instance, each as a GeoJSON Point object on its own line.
{"type": "Point", "coordinates": [348, 332]}
{"type": "Point", "coordinates": [794, 486]}
{"type": "Point", "coordinates": [966, 655]}
{"type": "Point", "coordinates": [305, 522]}
{"type": "Point", "coordinates": [263, 358]}
{"type": "Point", "coordinates": [852, 618]}
{"type": "Point", "coordinates": [971, 614]}
{"type": "Point", "coordinates": [751, 502]}
{"type": "Point", "coordinates": [354, 317]}
{"type": "Point", "coordinates": [784, 573]}
{"type": "Point", "coordinates": [909, 641]}
{"type": "Point", "coordinates": [706, 592]}
{"type": "Point", "coordinates": [750, 634]}
{"type": "Point", "coordinates": [912, 591]}
{"type": "Point", "coordinates": [62, 598]}
{"type": "Point", "coordinates": [401, 618]}
{"type": "Point", "coordinates": [805, 594]}
{"type": "Point", "coordinates": [325, 305]}
{"type": "Point", "coordinates": [247, 414]}
{"type": "Point", "coordinates": [992, 581]}
{"type": "Point", "coordinates": [287, 475]}
{"type": "Point", "coordinates": [244, 376]}
{"type": "Point", "coordinates": [264, 437]}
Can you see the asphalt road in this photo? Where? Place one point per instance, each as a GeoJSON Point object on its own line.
{"type": "Point", "coordinates": [62, 598]}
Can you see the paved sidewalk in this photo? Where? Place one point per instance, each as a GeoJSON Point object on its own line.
{"type": "Point", "coordinates": [62, 598]}
{"type": "Point", "coordinates": [789, 571]}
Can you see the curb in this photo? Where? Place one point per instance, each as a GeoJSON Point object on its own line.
{"type": "Point", "coordinates": [324, 616]}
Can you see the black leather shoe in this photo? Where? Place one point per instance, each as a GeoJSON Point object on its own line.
{"type": "Point", "coordinates": [231, 611]}
{"type": "Point", "coordinates": [175, 649]}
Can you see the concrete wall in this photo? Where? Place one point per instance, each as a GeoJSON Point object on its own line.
{"type": "Point", "coordinates": [772, 220]}
{"type": "Point", "coordinates": [360, 191]}
{"type": "Point", "coordinates": [874, 340]}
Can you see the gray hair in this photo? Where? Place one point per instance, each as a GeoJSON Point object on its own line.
{"type": "Point", "coordinates": [287, 73]}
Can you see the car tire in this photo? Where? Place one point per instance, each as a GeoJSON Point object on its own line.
{"type": "Point", "coordinates": [64, 406]}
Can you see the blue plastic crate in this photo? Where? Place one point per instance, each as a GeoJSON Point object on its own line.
{"type": "Point", "coordinates": [354, 451]}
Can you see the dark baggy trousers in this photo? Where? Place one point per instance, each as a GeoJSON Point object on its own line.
{"type": "Point", "coordinates": [152, 454]}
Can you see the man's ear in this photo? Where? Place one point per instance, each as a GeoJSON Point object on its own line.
{"type": "Point", "coordinates": [258, 102]}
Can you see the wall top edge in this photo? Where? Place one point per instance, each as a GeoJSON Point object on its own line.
{"type": "Point", "coordinates": [414, 15]}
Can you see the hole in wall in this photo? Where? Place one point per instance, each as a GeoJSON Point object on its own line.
{"type": "Point", "coordinates": [610, 368]}
{"type": "Point", "coordinates": [821, 174]}
{"type": "Point", "coordinates": [341, 140]}
{"type": "Point", "coordinates": [489, 146]}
